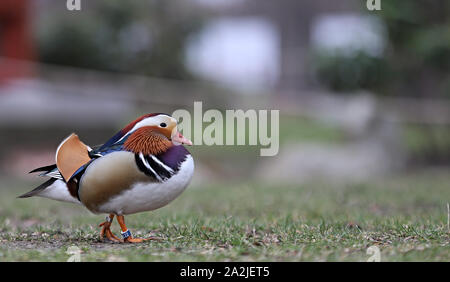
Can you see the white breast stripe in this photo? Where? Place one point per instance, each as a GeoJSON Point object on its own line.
{"type": "Point", "coordinates": [147, 165]}
{"type": "Point", "coordinates": [169, 169]}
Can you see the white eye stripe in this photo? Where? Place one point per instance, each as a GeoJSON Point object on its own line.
{"type": "Point", "coordinates": [150, 121]}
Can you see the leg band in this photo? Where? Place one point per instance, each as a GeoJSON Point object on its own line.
{"type": "Point", "coordinates": [126, 234]}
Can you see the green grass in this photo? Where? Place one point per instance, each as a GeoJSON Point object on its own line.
{"type": "Point", "coordinates": [406, 217]}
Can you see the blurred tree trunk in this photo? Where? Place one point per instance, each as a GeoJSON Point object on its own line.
{"type": "Point", "coordinates": [15, 38]}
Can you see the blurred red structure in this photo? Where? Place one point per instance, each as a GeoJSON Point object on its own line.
{"type": "Point", "coordinates": [15, 39]}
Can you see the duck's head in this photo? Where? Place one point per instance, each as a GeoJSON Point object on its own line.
{"type": "Point", "coordinates": [153, 134]}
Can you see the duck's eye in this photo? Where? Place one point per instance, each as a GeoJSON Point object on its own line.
{"type": "Point", "coordinates": [163, 125]}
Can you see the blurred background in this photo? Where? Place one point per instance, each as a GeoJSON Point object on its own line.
{"type": "Point", "coordinates": [362, 94]}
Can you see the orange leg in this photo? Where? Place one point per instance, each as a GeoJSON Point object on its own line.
{"type": "Point", "coordinates": [107, 231]}
{"type": "Point", "coordinates": [126, 232]}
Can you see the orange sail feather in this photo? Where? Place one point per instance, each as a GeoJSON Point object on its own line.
{"type": "Point", "coordinates": [71, 155]}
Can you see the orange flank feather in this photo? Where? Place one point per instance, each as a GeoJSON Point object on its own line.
{"type": "Point", "coordinates": [71, 155]}
{"type": "Point", "coordinates": [147, 140]}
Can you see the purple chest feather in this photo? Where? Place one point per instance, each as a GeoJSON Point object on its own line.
{"type": "Point", "coordinates": [174, 156]}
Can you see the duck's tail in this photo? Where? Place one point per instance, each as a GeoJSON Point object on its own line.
{"type": "Point", "coordinates": [38, 189]}
{"type": "Point", "coordinates": [55, 188]}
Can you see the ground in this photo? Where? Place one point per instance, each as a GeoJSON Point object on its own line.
{"type": "Point", "coordinates": [404, 216]}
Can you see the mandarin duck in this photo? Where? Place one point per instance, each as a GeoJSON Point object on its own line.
{"type": "Point", "coordinates": [142, 168]}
